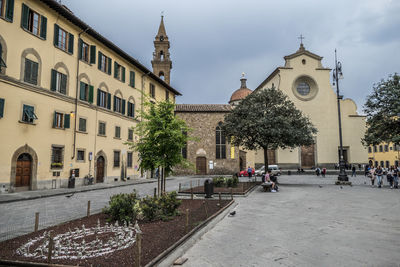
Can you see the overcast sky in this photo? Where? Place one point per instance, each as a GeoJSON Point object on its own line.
{"type": "Point", "coordinates": [213, 42]}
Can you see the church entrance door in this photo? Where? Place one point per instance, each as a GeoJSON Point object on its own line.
{"type": "Point", "coordinates": [201, 166]}
{"type": "Point", "coordinates": [308, 156]}
{"type": "Point", "coordinates": [100, 170]}
{"type": "Point", "coordinates": [271, 157]}
{"type": "Point", "coordinates": [23, 172]}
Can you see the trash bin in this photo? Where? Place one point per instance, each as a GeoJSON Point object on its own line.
{"type": "Point", "coordinates": [208, 188]}
{"type": "Point", "coordinates": [289, 172]}
{"type": "Point", "coordinates": [71, 182]}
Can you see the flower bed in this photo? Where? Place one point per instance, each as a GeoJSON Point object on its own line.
{"type": "Point", "coordinates": [241, 189]}
{"type": "Point", "coordinates": [95, 241]}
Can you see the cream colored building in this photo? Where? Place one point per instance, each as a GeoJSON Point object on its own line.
{"type": "Point", "coordinates": [68, 97]}
{"type": "Point", "coordinates": [307, 84]}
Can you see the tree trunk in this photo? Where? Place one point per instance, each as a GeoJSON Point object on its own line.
{"type": "Point", "coordinates": [158, 184]}
{"type": "Point", "coordinates": [266, 159]}
{"type": "Point", "coordinates": [165, 179]}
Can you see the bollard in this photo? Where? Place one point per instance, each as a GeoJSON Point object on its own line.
{"type": "Point", "coordinates": [139, 249]}
{"type": "Point", "coordinates": [36, 221]}
{"type": "Point", "coordinates": [231, 193]}
{"type": "Point", "coordinates": [198, 182]}
{"type": "Point", "coordinates": [219, 198]}
{"type": "Point", "coordinates": [187, 220]}
{"type": "Point", "coordinates": [191, 193]}
{"type": "Point", "coordinates": [88, 208]}
{"type": "Point", "coordinates": [50, 247]}
{"type": "Point", "coordinates": [180, 187]}
{"type": "Point", "coordinates": [155, 192]}
{"type": "Point", "coordinates": [191, 186]}
{"type": "Point", "coordinates": [205, 208]}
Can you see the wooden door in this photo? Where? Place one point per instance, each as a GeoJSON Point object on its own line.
{"type": "Point", "coordinates": [100, 170]}
{"type": "Point", "coordinates": [23, 171]}
{"type": "Point", "coordinates": [307, 156]}
{"type": "Point", "coordinates": [201, 165]}
{"type": "Point", "coordinates": [271, 157]}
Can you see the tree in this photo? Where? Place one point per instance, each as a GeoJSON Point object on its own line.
{"type": "Point", "coordinates": [383, 112]}
{"type": "Point", "coordinates": [162, 137]}
{"type": "Point", "coordinates": [267, 119]}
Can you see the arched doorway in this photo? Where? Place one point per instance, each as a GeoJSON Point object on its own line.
{"type": "Point", "coordinates": [100, 169]}
{"type": "Point", "coordinates": [201, 165]}
{"type": "Point", "coordinates": [308, 156]}
{"type": "Point", "coordinates": [23, 173]}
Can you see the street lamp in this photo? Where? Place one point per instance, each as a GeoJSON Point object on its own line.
{"type": "Point", "coordinates": [337, 74]}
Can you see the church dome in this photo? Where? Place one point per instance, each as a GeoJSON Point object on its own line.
{"type": "Point", "coordinates": [240, 93]}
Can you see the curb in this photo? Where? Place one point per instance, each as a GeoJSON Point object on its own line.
{"type": "Point", "coordinates": [30, 264]}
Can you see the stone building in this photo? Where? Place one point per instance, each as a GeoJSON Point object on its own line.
{"type": "Point", "coordinates": [68, 98]}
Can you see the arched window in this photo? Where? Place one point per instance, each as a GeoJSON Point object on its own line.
{"type": "Point", "coordinates": [119, 103]}
{"type": "Point", "coordinates": [31, 66]}
{"type": "Point", "coordinates": [131, 107]}
{"type": "Point", "coordinates": [161, 55]}
{"type": "Point", "coordinates": [220, 142]}
{"type": "Point", "coordinates": [161, 75]}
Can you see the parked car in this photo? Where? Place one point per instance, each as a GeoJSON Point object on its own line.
{"type": "Point", "coordinates": [244, 172]}
{"type": "Point", "coordinates": [274, 170]}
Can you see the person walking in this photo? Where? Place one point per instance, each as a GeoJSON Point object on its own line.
{"type": "Point", "coordinates": [395, 178]}
{"type": "Point", "coordinates": [371, 174]}
{"type": "Point", "coordinates": [353, 171]}
{"type": "Point", "coordinates": [379, 173]}
{"type": "Point", "coordinates": [249, 171]}
{"type": "Point", "coordinates": [366, 170]}
{"type": "Point", "coordinates": [389, 176]}
{"type": "Point", "coordinates": [323, 172]}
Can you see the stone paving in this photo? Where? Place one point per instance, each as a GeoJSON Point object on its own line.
{"type": "Point", "coordinates": [309, 222]}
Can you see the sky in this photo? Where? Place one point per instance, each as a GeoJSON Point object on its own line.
{"type": "Point", "coordinates": [213, 42]}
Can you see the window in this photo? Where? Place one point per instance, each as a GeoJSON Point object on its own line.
{"type": "Point", "coordinates": [61, 120]}
{"type": "Point", "coordinates": [220, 142]}
{"type": "Point", "coordinates": [28, 114]}
{"type": "Point", "coordinates": [166, 95]}
{"type": "Point", "coordinates": [7, 9]}
{"type": "Point", "coordinates": [31, 71]}
{"type": "Point", "coordinates": [382, 164]}
{"type": "Point", "coordinates": [386, 148]}
{"type": "Point", "coordinates": [86, 52]}
{"type": "Point", "coordinates": [82, 125]}
{"type": "Point", "coordinates": [102, 128]}
{"type": "Point", "coordinates": [116, 158]}
{"type": "Point", "coordinates": [380, 148]}
{"type": "Point", "coordinates": [376, 164]}
{"type": "Point", "coordinates": [80, 155]}
{"type": "Point", "coordinates": [387, 164]}
{"type": "Point", "coordinates": [57, 157]}
{"type": "Point", "coordinates": [2, 60]}
{"type": "Point", "coordinates": [132, 79]}
{"type": "Point", "coordinates": [184, 149]}
{"type": "Point", "coordinates": [86, 92]}
{"type": "Point", "coordinates": [119, 72]}
{"type": "Point", "coordinates": [303, 88]}
{"type": "Point", "coordinates": [117, 132]}
{"type": "Point", "coordinates": [131, 109]}
{"type": "Point", "coordinates": [130, 134]}
{"type": "Point", "coordinates": [152, 91]}
{"type": "Point", "coordinates": [63, 39]}
{"type": "Point", "coordinates": [369, 149]}
{"type": "Point", "coordinates": [129, 159]}
{"type": "Point", "coordinates": [1, 107]}
{"type": "Point", "coordinates": [104, 63]}
{"type": "Point", "coordinates": [33, 22]}
{"type": "Point", "coordinates": [375, 149]}
{"type": "Point", "coordinates": [396, 163]}
{"type": "Point", "coordinates": [119, 105]}
{"type": "Point", "coordinates": [58, 82]}
{"type": "Point", "coordinates": [103, 99]}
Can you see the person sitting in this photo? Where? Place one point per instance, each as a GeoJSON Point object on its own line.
{"type": "Point", "coordinates": [268, 181]}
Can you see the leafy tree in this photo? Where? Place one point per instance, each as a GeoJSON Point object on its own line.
{"type": "Point", "coordinates": [383, 112]}
{"type": "Point", "coordinates": [162, 137]}
{"type": "Point", "coordinates": [267, 119]}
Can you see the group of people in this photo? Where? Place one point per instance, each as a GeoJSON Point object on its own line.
{"type": "Point", "coordinates": [319, 172]}
{"type": "Point", "coordinates": [267, 180]}
{"type": "Point", "coordinates": [392, 175]}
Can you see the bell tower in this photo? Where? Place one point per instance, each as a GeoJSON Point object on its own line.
{"type": "Point", "coordinates": [161, 62]}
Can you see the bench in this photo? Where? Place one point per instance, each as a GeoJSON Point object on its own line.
{"type": "Point", "coordinates": [267, 187]}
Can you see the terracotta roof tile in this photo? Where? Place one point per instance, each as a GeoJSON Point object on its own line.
{"type": "Point", "coordinates": [202, 108]}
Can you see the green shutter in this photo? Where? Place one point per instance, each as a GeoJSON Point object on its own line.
{"type": "Point", "coordinates": [80, 43]}
{"type": "Point", "coordinates": [43, 27]}
{"type": "Point", "coordinates": [24, 17]}
{"type": "Point", "coordinates": [133, 110]}
{"type": "Point", "coordinates": [99, 63]}
{"type": "Point", "coordinates": [54, 120]}
{"type": "Point", "coordinates": [108, 100]}
{"type": "Point", "coordinates": [92, 54]}
{"type": "Point", "coordinates": [132, 79]}
{"type": "Point", "coordinates": [115, 102]}
{"type": "Point", "coordinates": [53, 84]}
{"type": "Point", "coordinates": [123, 106]}
{"type": "Point", "coordinates": [71, 43]}
{"type": "Point", "coordinates": [66, 121]}
{"type": "Point", "coordinates": [90, 93]}
{"type": "Point", "coordinates": [1, 107]}
{"type": "Point", "coordinates": [10, 10]}
{"type": "Point", "coordinates": [123, 74]}
{"type": "Point", "coordinates": [82, 91]}
{"type": "Point", "coordinates": [115, 69]}
{"type": "Point", "coordinates": [63, 87]}
{"type": "Point", "coordinates": [109, 66]}
{"type": "Point", "coordinates": [98, 97]}
{"type": "Point", "coordinates": [56, 31]}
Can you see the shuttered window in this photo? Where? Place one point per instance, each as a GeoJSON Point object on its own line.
{"type": "Point", "coordinates": [63, 39]}
{"type": "Point", "coordinates": [58, 82]}
{"type": "Point", "coordinates": [31, 71]}
{"type": "Point", "coordinates": [102, 128]}
{"type": "Point", "coordinates": [152, 90]}
{"type": "Point", "coordinates": [130, 134]}
{"type": "Point", "coordinates": [103, 99]}
{"type": "Point", "coordinates": [104, 63]}
{"type": "Point", "coordinates": [61, 120]}
{"type": "Point", "coordinates": [7, 9]}
{"type": "Point", "coordinates": [119, 72]}
{"type": "Point", "coordinates": [82, 125]}
{"type": "Point", "coordinates": [117, 132]}
{"type": "Point", "coordinates": [132, 79]}
{"type": "Point", "coordinates": [131, 109]}
{"type": "Point", "coordinates": [2, 107]}
{"type": "Point", "coordinates": [28, 114]}
{"type": "Point", "coordinates": [33, 21]}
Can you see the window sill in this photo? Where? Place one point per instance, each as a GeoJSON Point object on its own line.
{"type": "Point", "coordinates": [80, 161]}
{"type": "Point", "coordinates": [101, 135]}
{"type": "Point", "coordinates": [86, 62]}
{"type": "Point", "coordinates": [129, 140]}
{"type": "Point", "coordinates": [118, 138]}
{"type": "Point", "coordinates": [65, 51]}
{"type": "Point", "coordinates": [25, 122]}
{"type": "Point", "coordinates": [38, 36]}
{"type": "Point", "coordinates": [59, 128]}
{"type": "Point", "coordinates": [82, 132]}
{"type": "Point", "coordinates": [4, 18]}
{"type": "Point", "coordinates": [115, 167]}
{"type": "Point", "coordinates": [118, 79]}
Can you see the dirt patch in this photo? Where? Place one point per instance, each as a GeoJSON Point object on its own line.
{"type": "Point", "coordinates": [241, 189]}
{"type": "Point", "coordinates": [156, 237]}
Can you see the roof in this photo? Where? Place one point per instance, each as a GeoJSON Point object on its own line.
{"type": "Point", "coordinates": [240, 94]}
{"type": "Point", "coordinates": [66, 13]}
{"type": "Point", "coordinates": [203, 108]}
{"type": "Point", "coordinates": [303, 51]}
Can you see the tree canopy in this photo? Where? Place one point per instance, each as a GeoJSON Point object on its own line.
{"type": "Point", "coordinates": [267, 119]}
{"type": "Point", "coordinates": [383, 112]}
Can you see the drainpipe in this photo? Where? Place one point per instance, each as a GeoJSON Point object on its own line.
{"type": "Point", "coordinates": [76, 95]}
{"type": "Point", "coordinates": [141, 100]}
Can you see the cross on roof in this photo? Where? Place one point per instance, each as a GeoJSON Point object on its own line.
{"type": "Point", "coordinates": [301, 38]}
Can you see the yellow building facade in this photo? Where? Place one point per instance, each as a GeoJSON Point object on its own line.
{"type": "Point", "coordinates": [68, 98]}
{"type": "Point", "coordinates": [384, 155]}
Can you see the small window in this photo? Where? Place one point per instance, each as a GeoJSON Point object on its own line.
{"type": "Point", "coordinates": [104, 63]}
{"type": "Point", "coordinates": [117, 104]}
{"type": "Point", "coordinates": [386, 148]}
{"type": "Point", "coordinates": [387, 164]}
{"type": "Point", "coordinates": [130, 134]}
{"type": "Point", "coordinates": [116, 158]}
{"type": "Point", "coordinates": [375, 150]}
{"type": "Point", "coordinates": [117, 132]}
{"type": "Point", "coordinates": [33, 22]}
{"type": "Point", "coordinates": [57, 157]}
{"type": "Point", "coordinates": [129, 159]}
{"type": "Point", "coordinates": [86, 52]}
{"type": "Point", "coordinates": [396, 163]}
{"type": "Point", "coordinates": [82, 124]}
{"type": "Point", "coordinates": [369, 149]}
{"type": "Point", "coordinates": [80, 155]}
{"type": "Point", "coordinates": [152, 91]}
{"type": "Point", "coordinates": [86, 92]}
{"type": "Point", "coordinates": [380, 148]}
{"type": "Point", "coordinates": [103, 99]}
{"type": "Point", "coordinates": [166, 95]}
{"type": "Point", "coordinates": [132, 79]}
{"type": "Point", "coordinates": [7, 9]}
{"type": "Point", "coordinates": [102, 128]}
{"type": "Point", "coordinates": [131, 109]}
{"type": "Point", "coordinates": [61, 120]}
{"type": "Point", "coordinates": [31, 71]}
{"type": "Point", "coordinates": [63, 39]}
{"type": "Point", "coordinates": [382, 164]}
{"type": "Point", "coordinates": [2, 107]}
{"type": "Point", "coordinates": [58, 82]}
{"type": "Point", "coordinates": [119, 72]}
{"type": "Point", "coordinates": [28, 114]}
{"type": "Point", "coordinates": [376, 164]}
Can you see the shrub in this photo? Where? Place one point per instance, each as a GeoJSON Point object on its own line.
{"type": "Point", "coordinates": [229, 182]}
{"type": "Point", "coordinates": [235, 181]}
{"type": "Point", "coordinates": [122, 207]}
{"type": "Point", "coordinates": [218, 181]}
{"type": "Point", "coordinates": [150, 209]}
{"type": "Point", "coordinates": [169, 205]}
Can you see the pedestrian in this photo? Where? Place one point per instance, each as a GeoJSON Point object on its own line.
{"type": "Point", "coordinates": [379, 173]}
{"type": "Point", "coordinates": [372, 175]}
{"type": "Point", "coordinates": [389, 176]}
{"type": "Point", "coordinates": [318, 171]}
{"type": "Point", "coordinates": [366, 170]}
{"type": "Point", "coordinates": [353, 171]}
{"type": "Point", "coordinates": [249, 171]}
{"type": "Point", "coordinates": [359, 166]}
{"type": "Point", "coordinates": [323, 171]}
{"type": "Point", "coordinates": [395, 178]}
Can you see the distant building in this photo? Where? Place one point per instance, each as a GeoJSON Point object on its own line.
{"type": "Point", "coordinates": [384, 155]}
{"type": "Point", "coordinates": [68, 98]}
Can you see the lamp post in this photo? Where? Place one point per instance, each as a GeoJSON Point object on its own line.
{"type": "Point", "coordinates": [337, 73]}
